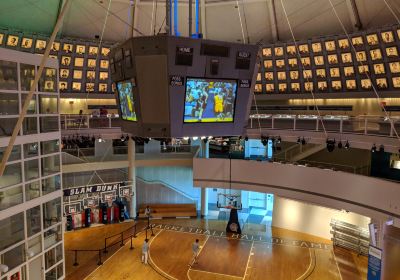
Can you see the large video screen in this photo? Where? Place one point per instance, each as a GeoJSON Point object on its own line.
{"type": "Point", "coordinates": [209, 100]}
{"type": "Point", "coordinates": [126, 101]}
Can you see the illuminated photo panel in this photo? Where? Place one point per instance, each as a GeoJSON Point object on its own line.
{"type": "Point", "coordinates": [126, 101]}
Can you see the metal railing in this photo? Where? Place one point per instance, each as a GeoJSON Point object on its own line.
{"type": "Point", "coordinates": [367, 125]}
{"type": "Point", "coordinates": [360, 170]}
{"type": "Point", "coordinates": [89, 121]}
{"type": "Point", "coordinates": [116, 239]}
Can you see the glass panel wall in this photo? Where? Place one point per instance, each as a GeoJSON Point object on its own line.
{"type": "Point", "coordinates": [14, 257]}
{"type": "Point", "coordinates": [31, 150]}
{"type": "Point", "coordinates": [32, 190]}
{"type": "Point", "coordinates": [11, 197]}
{"type": "Point", "coordinates": [8, 75]}
{"type": "Point", "coordinates": [11, 175]}
{"type": "Point", "coordinates": [12, 230]}
{"type": "Point", "coordinates": [7, 126]}
{"type": "Point", "coordinates": [48, 104]}
{"type": "Point", "coordinates": [32, 104]}
{"type": "Point", "coordinates": [50, 147]}
{"type": "Point", "coordinates": [48, 80]}
{"type": "Point", "coordinates": [29, 125]}
{"type": "Point", "coordinates": [34, 246]}
{"type": "Point", "coordinates": [9, 104]}
{"type": "Point", "coordinates": [33, 221]}
{"type": "Point", "coordinates": [31, 168]}
{"type": "Point", "coordinates": [15, 153]}
{"type": "Point", "coordinates": [27, 73]}
{"type": "Point", "coordinates": [50, 165]}
{"type": "Point", "coordinates": [52, 236]}
{"type": "Point", "coordinates": [51, 184]}
{"type": "Point", "coordinates": [51, 212]}
{"type": "Point", "coordinates": [49, 124]}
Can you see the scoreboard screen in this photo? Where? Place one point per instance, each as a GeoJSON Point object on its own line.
{"type": "Point", "coordinates": [126, 101]}
{"type": "Point", "coordinates": [209, 100]}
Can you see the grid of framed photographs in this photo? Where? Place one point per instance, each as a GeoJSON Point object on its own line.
{"type": "Point", "coordinates": [84, 66]}
{"type": "Point", "coordinates": [333, 64]}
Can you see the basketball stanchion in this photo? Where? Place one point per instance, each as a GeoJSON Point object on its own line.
{"type": "Point", "coordinates": [76, 259]}
{"type": "Point", "coordinates": [131, 242]}
{"type": "Point", "coordinates": [99, 262]}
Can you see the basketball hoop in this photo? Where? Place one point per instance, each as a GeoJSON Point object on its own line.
{"type": "Point", "coordinates": [229, 201]}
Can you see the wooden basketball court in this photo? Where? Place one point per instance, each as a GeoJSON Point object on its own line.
{"type": "Point", "coordinates": [230, 257]}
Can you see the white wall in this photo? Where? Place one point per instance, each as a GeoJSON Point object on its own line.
{"type": "Point", "coordinates": [311, 219]}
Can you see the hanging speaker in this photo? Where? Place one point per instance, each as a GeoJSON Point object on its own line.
{"type": "Point", "coordinates": [214, 66]}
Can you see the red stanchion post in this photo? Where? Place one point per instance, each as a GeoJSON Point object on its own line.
{"type": "Point", "coordinates": [99, 262]}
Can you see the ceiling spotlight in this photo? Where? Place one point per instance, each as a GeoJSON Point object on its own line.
{"type": "Point", "coordinates": [330, 145]}
{"type": "Point", "coordinates": [195, 138]}
{"type": "Point", "coordinates": [210, 137]}
{"type": "Point", "coordinates": [122, 138]}
{"type": "Point", "coordinates": [185, 138]}
{"type": "Point", "coordinates": [202, 137]}
{"type": "Point", "coordinates": [279, 140]}
{"type": "Point", "coordinates": [381, 148]}
{"type": "Point", "coordinates": [347, 145]}
{"type": "Point", "coordinates": [340, 145]}
{"type": "Point", "coordinates": [373, 149]}
{"type": "Point", "coordinates": [298, 140]}
{"type": "Point", "coordinates": [303, 141]}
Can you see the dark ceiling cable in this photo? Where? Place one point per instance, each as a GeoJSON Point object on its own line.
{"type": "Point", "coordinates": [118, 17]}
{"type": "Point", "coordinates": [392, 11]}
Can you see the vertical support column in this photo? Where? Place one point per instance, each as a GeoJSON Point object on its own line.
{"type": "Point", "coordinates": [132, 175]}
{"type": "Point", "coordinates": [204, 153]}
{"type": "Point", "coordinates": [176, 19]}
{"type": "Point", "coordinates": [201, 17]}
{"type": "Point", "coordinates": [168, 16]}
{"type": "Point", "coordinates": [190, 17]}
{"type": "Point", "coordinates": [272, 18]}
{"type": "Point", "coordinates": [133, 17]}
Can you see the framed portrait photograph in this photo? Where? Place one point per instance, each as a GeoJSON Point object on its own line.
{"type": "Point", "coordinates": [392, 52]}
{"type": "Point", "coordinates": [351, 84]}
{"type": "Point", "coordinates": [307, 74]}
{"type": "Point", "coordinates": [269, 87]}
{"type": "Point", "coordinates": [394, 67]}
{"type": "Point", "coordinates": [379, 69]}
{"type": "Point", "coordinates": [80, 49]}
{"type": "Point", "coordinates": [78, 62]}
{"type": "Point", "coordinates": [294, 75]}
{"type": "Point", "coordinates": [321, 73]}
{"type": "Point", "coordinates": [102, 87]}
{"type": "Point", "coordinates": [91, 63]}
{"type": "Point", "coordinates": [387, 36]}
{"type": "Point", "coordinates": [63, 86]}
{"type": "Point", "coordinates": [308, 86]}
{"type": "Point", "coordinates": [55, 47]}
{"type": "Point", "coordinates": [334, 72]}
{"type": "Point", "coordinates": [105, 51]}
{"type": "Point", "coordinates": [267, 52]}
{"type": "Point", "coordinates": [269, 76]}
{"type": "Point", "coordinates": [281, 76]}
{"type": "Point", "coordinates": [357, 41]}
{"type": "Point", "coordinates": [303, 49]}
{"type": "Point", "coordinates": [337, 85]}
{"type": "Point", "coordinates": [50, 72]}
{"type": "Point", "coordinates": [267, 64]}
{"type": "Point", "coordinates": [376, 54]}
{"type": "Point", "coordinates": [280, 63]}
{"type": "Point", "coordinates": [104, 64]}
{"type": "Point", "coordinates": [68, 48]}
{"type": "Point", "coordinates": [40, 45]}
{"type": "Point", "coordinates": [330, 46]}
{"type": "Point", "coordinates": [89, 87]}
{"type": "Point", "coordinates": [93, 50]}
{"type": "Point", "coordinates": [1, 38]}
{"type": "Point", "coordinates": [26, 43]}
{"type": "Point", "coordinates": [49, 85]}
{"type": "Point", "coordinates": [291, 50]}
{"type": "Point", "coordinates": [77, 74]}
{"type": "Point", "coordinates": [292, 62]}
{"type": "Point", "coordinates": [361, 56]}
{"type": "Point", "coordinates": [349, 71]}
{"type": "Point", "coordinates": [381, 83]}
{"type": "Point", "coordinates": [319, 60]}
{"type": "Point", "coordinates": [90, 75]}
{"type": "Point", "coordinates": [398, 34]}
{"type": "Point", "coordinates": [366, 84]}
{"type": "Point", "coordinates": [278, 51]}
{"type": "Point", "coordinates": [295, 87]}
{"type": "Point", "coordinates": [322, 85]}
{"type": "Point", "coordinates": [343, 44]}
{"type": "Point", "coordinates": [66, 60]}
{"type": "Point", "coordinates": [282, 88]}
{"type": "Point", "coordinates": [104, 76]}
{"type": "Point", "coordinates": [76, 86]}
{"type": "Point", "coordinates": [363, 69]}
{"type": "Point", "coordinates": [12, 41]}
{"type": "Point", "coordinates": [333, 59]}
{"type": "Point", "coordinates": [372, 39]}
{"type": "Point", "coordinates": [64, 73]}
{"type": "Point", "coordinates": [396, 82]}
{"type": "Point", "coordinates": [316, 47]}
{"type": "Point", "coordinates": [258, 88]}
{"type": "Point", "coordinates": [305, 61]}
{"type": "Point", "coordinates": [258, 76]}
{"type": "Point", "coordinates": [347, 58]}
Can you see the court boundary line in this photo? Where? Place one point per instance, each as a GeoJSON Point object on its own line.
{"type": "Point", "coordinates": [201, 249]}
{"type": "Point", "coordinates": [337, 265]}
{"type": "Point", "coordinates": [311, 266]}
{"type": "Point", "coordinates": [248, 260]}
{"type": "Point", "coordinates": [153, 263]}
{"type": "Point", "coordinates": [209, 272]}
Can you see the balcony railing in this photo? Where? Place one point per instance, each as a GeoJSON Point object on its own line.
{"type": "Point", "coordinates": [366, 125]}
{"type": "Point", "coordinates": [85, 121]}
